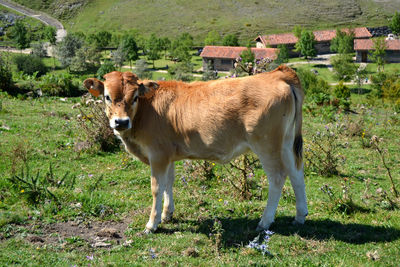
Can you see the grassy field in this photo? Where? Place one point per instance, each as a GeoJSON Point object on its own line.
{"type": "Point", "coordinates": [247, 19]}
{"type": "Point", "coordinates": [357, 224]}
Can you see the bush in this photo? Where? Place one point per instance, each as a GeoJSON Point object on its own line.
{"type": "Point", "coordinates": [6, 82]}
{"type": "Point", "coordinates": [181, 71]}
{"type": "Point", "coordinates": [95, 133]}
{"type": "Point", "coordinates": [316, 89]}
{"type": "Point", "coordinates": [141, 70]}
{"type": "Point", "coordinates": [60, 85]}
{"type": "Point", "coordinates": [39, 50]}
{"type": "Point", "coordinates": [344, 67]}
{"type": "Point", "coordinates": [342, 93]}
{"type": "Point", "coordinates": [105, 68]}
{"type": "Point", "coordinates": [29, 64]}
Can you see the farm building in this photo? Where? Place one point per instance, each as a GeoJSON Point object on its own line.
{"type": "Point", "coordinates": [323, 39]}
{"type": "Point", "coordinates": [364, 47]}
{"type": "Point", "coordinates": [223, 57]}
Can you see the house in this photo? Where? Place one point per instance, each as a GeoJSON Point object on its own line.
{"type": "Point", "coordinates": [363, 49]}
{"type": "Point", "coordinates": [223, 57]}
{"type": "Point", "coordinates": [323, 39]}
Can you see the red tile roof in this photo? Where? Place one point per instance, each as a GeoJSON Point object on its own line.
{"type": "Point", "coordinates": [231, 52]}
{"type": "Point", "coordinates": [320, 36]}
{"type": "Point", "coordinates": [368, 44]}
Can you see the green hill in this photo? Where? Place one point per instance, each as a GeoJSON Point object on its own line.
{"type": "Point", "coordinates": [198, 17]}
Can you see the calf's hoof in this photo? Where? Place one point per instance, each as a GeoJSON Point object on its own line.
{"type": "Point", "coordinates": [166, 217]}
{"type": "Point", "coordinates": [262, 227]}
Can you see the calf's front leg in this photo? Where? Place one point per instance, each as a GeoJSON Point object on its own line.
{"type": "Point", "coordinates": [159, 176]}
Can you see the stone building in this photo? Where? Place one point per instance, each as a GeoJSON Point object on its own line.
{"type": "Point", "coordinates": [323, 39]}
{"type": "Point", "coordinates": [223, 57]}
{"type": "Point", "coordinates": [364, 48]}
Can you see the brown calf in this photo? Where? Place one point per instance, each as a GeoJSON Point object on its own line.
{"type": "Point", "coordinates": [218, 120]}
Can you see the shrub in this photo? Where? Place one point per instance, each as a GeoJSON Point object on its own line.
{"type": "Point", "coordinates": [29, 64]}
{"type": "Point", "coordinates": [105, 68]}
{"type": "Point", "coordinates": [141, 70]}
{"type": "Point", "coordinates": [94, 128]}
{"type": "Point", "coordinates": [6, 82]}
{"type": "Point", "coordinates": [181, 71]}
{"type": "Point", "coordinates": [316, 89]}
{"type": "Point", "coordinates": [322, 153]}
{"type": "Point", "coordinates": [342, 93]}
{"type": "Point", "coordinates": [60, 85]}
{"type": "Point", "coordinates": [344, 67]}
{"type": "Point", "coordinates": [39, 50]}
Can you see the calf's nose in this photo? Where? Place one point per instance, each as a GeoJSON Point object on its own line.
{"type": "Point", "coordinates": [121, 123]}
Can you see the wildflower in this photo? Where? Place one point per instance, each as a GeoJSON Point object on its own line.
{"type": "Point", "coordinates": [213, 164]}
{"type": "Point", "coordinates": [152, 253]}
{"type": "Point", "coordinates": [220, 199]}
{"type": "Point", "coordinates": [225, 202]}
{"type": "Point", "coordinates": [90, 175]}
{"type": "Point", "coordinates": [90, 257]}
{"type": "Point", "coordinates": [22, 190]}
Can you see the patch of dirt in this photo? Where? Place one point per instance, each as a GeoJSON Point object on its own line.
{"type": "Point", "coordinates": [97, 234]}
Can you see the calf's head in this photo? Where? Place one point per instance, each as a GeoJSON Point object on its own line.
{"type": "Point", "coordinates": [121, 92]}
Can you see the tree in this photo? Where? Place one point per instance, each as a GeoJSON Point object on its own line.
{"type": "Point", "coordinates": [153, 48]}
{"type": "Point", "coordinates": [247, 55]}
{"type": "Point", "coordinates": [305, 45]}
{"type": "Point", "coordinates": [66, 49]}
{"type": "Point", "coordinates": [283, 54]}
{"type": "Point", "coordinates": [86, 58]}
{"type": "Point", "coordinates": [165, 44]}
{"type": "Point", "coordinates": [141, 70]}
{"type": "Point", "coordinates": [297, 31]}
{"type": "Point", "coordinates": [130, 48]}
{"type": "Point", "coordinates": [343, 67]}
{"type": "Point", "coordinates": [39, 50]}
{"type": "Point", "coordinates": [395, 23]}
{"type": "Point", "coordinates": [50, 34]}
{"type": "Point", "coordinates": [213, 38]}
{"type": "Point", "coordinates": [379, 53]}
{"type": "Point", "coordinates": [20, 34]}
{"type": "Point", "coordinates": [180, 48]}
{"type": "Point", "coordinates": [100, 39]}
{"type": "Point", "coordinates": [343, 42]}
{"type": "Point", "coordinates": [230, 40]}
{"type": "Point", "coordinates": [119, 56]}
{"type": "Point", "coordinates": [209, 73]}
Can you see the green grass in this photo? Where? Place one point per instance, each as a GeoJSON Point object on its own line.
{"type": "Point", "coordinates": [47, 130]}
{"type": "Point", "coordinates": [247, 19]}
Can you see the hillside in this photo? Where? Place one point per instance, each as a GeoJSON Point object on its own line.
{"type": "Point", "coordinates": [242, 17]}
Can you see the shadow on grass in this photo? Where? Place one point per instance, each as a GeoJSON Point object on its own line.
{"type": "Point", "coordinates": [240, 231]}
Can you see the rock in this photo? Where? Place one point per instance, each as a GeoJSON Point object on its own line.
{"type": "Point", "coordinates": [190, 252]}
{"type": "Point", "coordinates": [109, 232]}
{"type": "Point", "coordinates": [101, 245]}
{"type": "Point", "coordinates": [35, 239]}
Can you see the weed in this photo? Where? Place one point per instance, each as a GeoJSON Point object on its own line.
{"type": "Point", "coordinates": [343, 202]}
{"type": "Point", "coordinates": [322, 153]}
{"type": "Point", "coordinates": [94, 127]}
{"type": "Point", "coordinates": [375, 145]}
{"type": "Point", "coordinates": [33, 188]}
{"type": "Point", "coordinates": [198, 168]}
{"type": "Point", "coordinates": [216, 235]}
{"type": "Point", "coordinates": [245, 164]}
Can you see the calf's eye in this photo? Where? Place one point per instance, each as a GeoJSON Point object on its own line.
{"type": "Point", "coordinates": [108, 98]}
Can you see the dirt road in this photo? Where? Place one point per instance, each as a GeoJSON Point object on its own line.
{"type": "Point", "coordinates": [46, 19]}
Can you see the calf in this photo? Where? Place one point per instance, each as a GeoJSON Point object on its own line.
{"type": "Point", "coordinates": [167, 121]}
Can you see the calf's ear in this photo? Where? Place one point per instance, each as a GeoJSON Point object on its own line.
{"type": "Point", "coordinates": [95, 86]}
{"type": "Point", "coordinates": [147, 86]}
